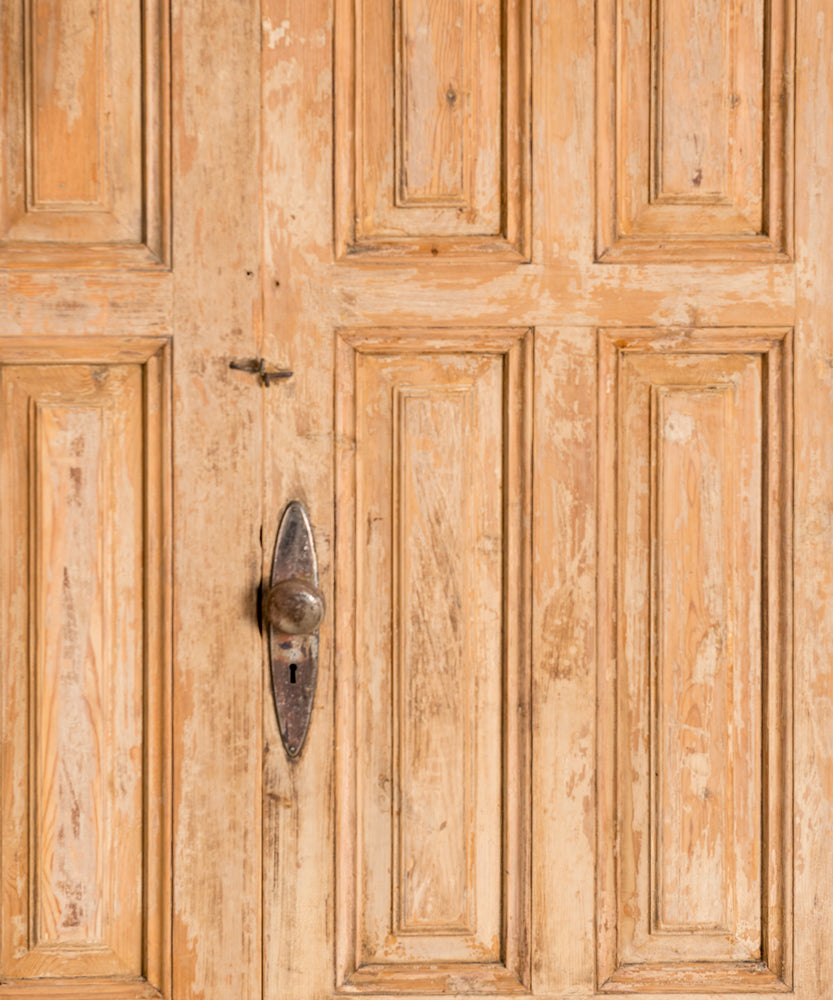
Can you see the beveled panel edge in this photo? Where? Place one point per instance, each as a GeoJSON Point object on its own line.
{"type": "Point", "coordinates": [776, 243]}
{"type": "Point", "coordinates": [39, 350]}
{"type": "Point", "coordinates": [513, 243]}
{"type": "Point", "coordinates": [513, 974]}
{"type": "Point", "coordinates": [484, 981]}
{"type": "Point", "coordinates": [775, 346]}
{"type": "Point", "coordinates": [84, 989]}
{"type": "Point", "coordinates": [735, 978]}
{"type": "Point", "coordinates": [433, 339]}
{"type": "Point", "coordinates": [159, 641]}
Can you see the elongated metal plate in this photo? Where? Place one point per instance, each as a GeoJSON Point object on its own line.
{"type": "Point", "coordinates": [294, 658]}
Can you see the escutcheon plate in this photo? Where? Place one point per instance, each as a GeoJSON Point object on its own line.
{"type": "Point", "coordinates": [294, 658]}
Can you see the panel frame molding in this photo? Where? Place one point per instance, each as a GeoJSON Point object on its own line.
{"type": "Point", "coordinates": [355, 237]}
{"type": "Point", "coordinates": [773, 972]}
{"type": "Point", "coordinates": [511, 973]}
{"type": "Point", "coordinates": [24, 248]}
{"type": "Point", "coordinates": [663, 219]}
{"type": "Point", "coordinates": [152, 355]}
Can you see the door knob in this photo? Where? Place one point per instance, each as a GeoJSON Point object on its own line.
{"type": "Point", "coordinates": [295, 606]}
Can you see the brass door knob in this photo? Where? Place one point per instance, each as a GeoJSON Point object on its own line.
{"type": "Point", "coordinates": [295, 606]}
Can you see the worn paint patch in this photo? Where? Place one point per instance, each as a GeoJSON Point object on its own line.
{"type": "Point", "coordinates": [275, 35]}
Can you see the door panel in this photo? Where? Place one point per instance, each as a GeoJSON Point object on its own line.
{"type": "Point", "coordinates": [432, 147]}
{"type": "Point", "coordinates": [86, 671]}
{"type": "Point", "coordinates": [695, 682]}
{"type": "Point", "coordinates": [86, 178]}
{"type": "Point", "coordinates": [433, 498]}
{"type": "Point", "coordinates": [695, 120]}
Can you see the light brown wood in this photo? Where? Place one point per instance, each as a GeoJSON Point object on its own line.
{"type": "Point", "coordinates": [813, 629]}
{"type": "Point", "coordinates": [553, 282]}
{"type": "Point", "coordinates": [695, 122]}
{"type": "Point", "coordinates": [217, 454]}
{"type": "Point", "coordinates": [86, 179]}
{"type": "Point", "coordinates": [150, 716]}
{"type": "Point", "coordinates": [87, 819]}
{"type": "Point", "coordinates": [660, 833]}
{"type": "Point", "coordinates": [432, 147]}
{"type": "Point", "coordinates": [695, 788]}
{"type": "Point", "coordinates": [445, 413]}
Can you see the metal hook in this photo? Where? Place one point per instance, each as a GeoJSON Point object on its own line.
{"type": "Point", "coordinates": [257, 366]}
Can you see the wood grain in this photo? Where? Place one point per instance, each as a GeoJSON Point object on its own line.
{"type": "Point", "coordinates": [694, 143]}
{"type": "Point", "coordinates": [700, 667]}
{"type": "Point", "coordinates": [438, 439]}
{"type": "Point", "coordinates": [447, 176]}
{"type": "Point", "coordinates": [86, 177]}
{"type": "Point", "coordinates": [86, 855]}
{"type": "Point", "coordinates": [809, 919]}
{"type": "Point", "coordinates": [67, 117]}
{"type": "Point", "coordinates": [699, 479]}
{"type": "Point", "coordinates": [276, 256]}
{"type": "Point", "coordinates": [435, 102]}
{"type": "Point", "coordinates": [714, 291]}
{"type": "Point", "coordinates": [433, 676]}
{"type": "Point", "coordinates": [694, 98]}
{"type": "Point", "coordinates": [218, 651]}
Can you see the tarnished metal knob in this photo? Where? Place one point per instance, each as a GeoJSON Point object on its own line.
{"type": "Point", "coordinates": [295, 606]}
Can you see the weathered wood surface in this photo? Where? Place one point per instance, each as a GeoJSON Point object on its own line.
{"type": "Point", "coordinates": [432, 132]}
{"type": "Point", "coordinates": [695, 793]}
{"type": "Point", "coordinates": [712, 841]}
{"type": "Point", "coordinates": [86, 670]}
{"type": "Point", "coordinates": [86, 153]}
{"type": "Point", "coordinates": [217, 453]}
{"type": "Point", "coordinates": [103, 741]}
{"type": "Point", "coordinates": [695, 130]}
{"type": "Point", "coordinates": [541, 271]}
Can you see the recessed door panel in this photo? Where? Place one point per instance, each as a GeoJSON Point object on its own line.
{"type": "Point", "coordinates": [85, 673]}
{"type": "Point", "coordinates": [426, 875]}
{"type": "Point", "coordinates": [696, 795]}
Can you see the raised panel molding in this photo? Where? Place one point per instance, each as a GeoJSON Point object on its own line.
{"type": "Point", "coordinates": [85, 119]}
{"type": "Point", "coordinates": [432, 637]}
{"type": "Point", "coordinates": [694, 873]}
{"type": "Point", "coordinates": [86, 672]}
{"type": "Point", "coordinates": [448, 173]}
{"type": "Point", "coordinates": [695, 130]}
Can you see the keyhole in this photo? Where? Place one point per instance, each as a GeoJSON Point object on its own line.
{"type": "Point", "coordinates": [292, 668]}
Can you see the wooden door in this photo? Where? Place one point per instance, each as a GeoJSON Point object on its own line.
{"type": "Point", "coordinates": [130, 678]}
{"type": "Point", "coordinates": [553, 283]}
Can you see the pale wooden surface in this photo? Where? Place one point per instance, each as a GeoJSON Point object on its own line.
{"type": "Point", "coordinates": [693, 784]}
{"type": "Point", "coordinates": [455, 889]}
{"type": "Point", "coordinates": [581, 570]}
{"type": "Point", "coordinates": [85, 104]}
{"type": "Point", "coordinates": [432, 133]}
{"type": "Point", "coordinates": [711, 838]}
{"type": "Point", "coordinates": [217, 451]}
{"type": "Point", "coordinates": [695, 130]}
{"type": "Point", "coordinates": [813, 487]}
{"type": "Point", "coordinates": [86, 854]}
